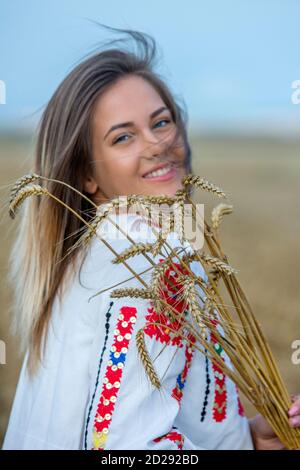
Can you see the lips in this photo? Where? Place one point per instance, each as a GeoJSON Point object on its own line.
{"type": "Point", "coordinates": [163, 166]}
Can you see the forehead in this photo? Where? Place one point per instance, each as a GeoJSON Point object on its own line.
{"type": "Point", "coordinates": [130, 99]}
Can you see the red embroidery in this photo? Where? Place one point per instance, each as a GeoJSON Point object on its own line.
{"type": "Point", "coordinates": [170, 287]}
{"type": "Point", "coordinates": [113, 375]}
{"type": "Point", "coordinates": [220, 397]}
{"type": "Point", "coordinates": [173, 436]}
{"type": "Point", "coordinates": [241, 410]}
{"type": "Point", "coordinates": [168, 293]}
{"type": "Point", "coordinates": [177, 392]}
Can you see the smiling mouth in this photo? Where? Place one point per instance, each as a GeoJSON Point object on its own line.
{"type": "Point", "coordinates": [160, 172]}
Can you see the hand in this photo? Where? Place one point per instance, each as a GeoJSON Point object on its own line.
{"type": "Point", "coordinates": [263, 436]}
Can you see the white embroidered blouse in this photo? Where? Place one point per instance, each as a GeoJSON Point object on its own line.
{"type": "Point", "coordinates": [92, 391]}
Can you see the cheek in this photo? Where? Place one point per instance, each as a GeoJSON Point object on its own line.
{"type": "Point", "coordinates": [179, 149]}
{"type": "Point", "coordinates": [125, 167]}
{"type": "Point", "coordinates": [118, 173]}
{"type": "Point", "coordinates": [110, 161]}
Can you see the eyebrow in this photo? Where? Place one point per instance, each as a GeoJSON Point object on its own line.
{"type": "Point", "coordinates": [131, 123]}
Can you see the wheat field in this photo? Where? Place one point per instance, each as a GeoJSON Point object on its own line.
{"type": "Point", "coordinates": [261, 238]}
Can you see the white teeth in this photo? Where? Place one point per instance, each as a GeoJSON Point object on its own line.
{"type": "Point", "coordinates": [160, 172]}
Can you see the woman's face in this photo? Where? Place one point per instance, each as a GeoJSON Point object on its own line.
{"type": "Point", "coordinates": [132, 128]}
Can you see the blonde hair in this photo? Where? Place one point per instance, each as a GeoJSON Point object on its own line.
{"type": "Point", "coordinates": [47, 231]}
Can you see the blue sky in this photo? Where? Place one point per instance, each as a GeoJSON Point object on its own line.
{"type": "Point", "coordinates": [231, 61]}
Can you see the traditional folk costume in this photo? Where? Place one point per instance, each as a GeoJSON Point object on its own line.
{"type": "Point", "coordinates": [92, 391]}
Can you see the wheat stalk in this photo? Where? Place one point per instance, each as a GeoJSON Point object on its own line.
{"type": "Point", "coordinates": [218, 213]}
{"type": "Point", "coordinates": [191, 297]}
{"type": "Point", "coordinates": [158, 273]}
{"type": "Point", "coordinates": [157, 246]}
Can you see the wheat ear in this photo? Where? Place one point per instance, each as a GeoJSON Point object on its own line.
{"type": "Point", "coordinates": [145, 358]}
{"type": "Point", "coordinates": [218, 213]}
{"type": "Point", "coordinates": [20, 183]}
{"type": "Point", "coordinates": [133, 292]}
{"type": "Point", "coordinates": [218, 264]}
{"type": "Point", "coordinates": [134, 250]}
{"type": "Point", "coordinates": [23, 194]}
{"type": "Point", "coordinates": [203, 184]}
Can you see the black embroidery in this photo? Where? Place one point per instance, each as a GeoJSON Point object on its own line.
{"type": "Point", "coordinates": [107, 325]}
{"type": "Point", "coordinates": [205, 402]}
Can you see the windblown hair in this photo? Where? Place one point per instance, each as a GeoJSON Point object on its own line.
{"type": "Point", "coordinates": [38, 261]}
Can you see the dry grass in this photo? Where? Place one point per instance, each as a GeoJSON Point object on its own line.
{"type": "Point", "coordinates": [262, 179]}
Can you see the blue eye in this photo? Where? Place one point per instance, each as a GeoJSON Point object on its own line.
{"type": "Point", "coordinates": [119, 139]}
{"type": "Point", "coordinates": [162, 120]}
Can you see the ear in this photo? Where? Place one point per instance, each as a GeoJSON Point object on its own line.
{"type": "Point", "coordinates": [90, 185]}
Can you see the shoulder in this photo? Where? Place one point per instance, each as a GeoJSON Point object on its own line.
{"type": "Point", "coordinates": [115, 236]}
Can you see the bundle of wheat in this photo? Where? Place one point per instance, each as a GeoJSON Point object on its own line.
{"type": "Point", "coordinates": [218, 308]}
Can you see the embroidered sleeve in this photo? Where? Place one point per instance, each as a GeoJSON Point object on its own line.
{"type": "Point", "coordinates": [137, 379]}
{"type": "Point", "coordinates": [127, 408]}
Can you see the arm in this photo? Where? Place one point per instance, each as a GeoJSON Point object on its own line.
{"type": "Point", "coordinates": [48, 409]}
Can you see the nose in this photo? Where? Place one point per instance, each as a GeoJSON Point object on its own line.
{"type": "Point", "coordinates": [153, 146]}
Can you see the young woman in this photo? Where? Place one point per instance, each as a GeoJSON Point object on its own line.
{"type": "Point", "coordinates": [112, 128]}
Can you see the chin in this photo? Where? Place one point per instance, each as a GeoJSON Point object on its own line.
{"type": "Point", "coordinates": [168, 189]}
